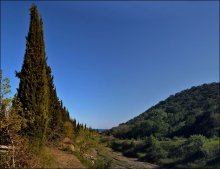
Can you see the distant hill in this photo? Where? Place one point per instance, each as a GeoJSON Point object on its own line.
{"type": "Point", "coordinates": [191, 111]}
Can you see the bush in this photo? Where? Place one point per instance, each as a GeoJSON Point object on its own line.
{"type": "Point", "coordinates": [194, 145]}
{"type": "Point", "coordinates": [130, 152]}
{"type": "Point", "coordinates": [153, 151]}
{"type": "Point", "coordinates": [102, 164]}
{"type": "Point", "coordinates": [68, 129]}
{"type": "Point", "coordinates": [122, 146]}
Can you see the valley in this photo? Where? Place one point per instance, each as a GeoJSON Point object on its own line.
{"type": "Point", "coordinates": [107, 67]}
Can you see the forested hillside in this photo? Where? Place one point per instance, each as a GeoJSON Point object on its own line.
{"type": "Point", "coordinates": [179, 132]}
{"type": "Point", "coordinates": [192, 111]}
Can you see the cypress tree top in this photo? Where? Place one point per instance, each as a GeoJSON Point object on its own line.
{"type": "Point", "coordinates": [33, 91]}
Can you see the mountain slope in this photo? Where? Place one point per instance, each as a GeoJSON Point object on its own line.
{"type": "Point", "coordinates": [191, 111]}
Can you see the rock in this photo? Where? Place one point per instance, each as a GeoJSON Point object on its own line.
{"type": "Point", "coordinates": [67, 140]}
{"type": "Point", "coordinates": [63, 146]}
{"type": "Point", "coordinates": [94, 152]}
{"type": "Point", "coordinates": [71, 148]}
{"type": "Point", "coordinates": [66, 144]}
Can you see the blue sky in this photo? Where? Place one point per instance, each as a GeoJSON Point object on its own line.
{"type": "Point", "coordinates": [113, 60]}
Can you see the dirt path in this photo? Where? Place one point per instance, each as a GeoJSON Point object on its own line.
{"type": "Point", "coordinates": [65, 160]}
{"type": "Point", "coordinates": [122, 162]}
{"type": "Point", "coordinates": [130, 163]}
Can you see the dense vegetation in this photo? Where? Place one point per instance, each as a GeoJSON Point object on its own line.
{"type": "Point", "coordinates": [181, 131]}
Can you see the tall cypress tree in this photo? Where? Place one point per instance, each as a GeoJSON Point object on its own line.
{"type": "Point", "coordinates": [56, 124]}
{"type": "Point", "coordinates": [33, 91]}
{"type": "Point", "coordinates": [42, 109]}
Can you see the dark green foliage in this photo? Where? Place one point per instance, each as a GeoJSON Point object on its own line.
{"type": "Point", "coordinates": [122, 145]}
{"type": "Point", "coordinates": [192, 149]}
{"type": "Point", "coordinates": [56, 121]}
{"type": "Point", "coordinates": [153, 150]}
{"type": "Point", "coordinates": [192, 111]}
{"type": "Point", "coordinates": [44, 113]}
{"type": "Point", "coordinates": [33, 91]}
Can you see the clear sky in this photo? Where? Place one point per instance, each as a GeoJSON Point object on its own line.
{"type": "Point", "coordinates": [113, 60]}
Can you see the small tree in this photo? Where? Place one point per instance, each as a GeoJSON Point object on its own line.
{"type": "Point", "coordinates": [11, 123]}
{"type": "Point", "coordinates": [153, 151]}
{"type": "Point", "coordinates": [194, 146]}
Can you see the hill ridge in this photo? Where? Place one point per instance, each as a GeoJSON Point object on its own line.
{"type": "Point", "coordinates": [188, 107]}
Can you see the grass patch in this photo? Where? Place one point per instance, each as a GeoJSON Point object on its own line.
{"type": "Point", "coordinates": [213, 143]}
{"type": "Point", "coordinates": [46, 158]}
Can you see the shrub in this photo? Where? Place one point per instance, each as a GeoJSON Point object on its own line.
{"type": "Point", "coordinates": [102, 164]}
{"type": "Point", "coordinates": [153, 151]}
{"type": "Point", "coordinates": [68, 129]}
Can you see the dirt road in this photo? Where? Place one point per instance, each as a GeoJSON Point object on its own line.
{"type": "Point", "coordinates": [122, 162]}
{"type": "Point", "coordinates": [67, 160]}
